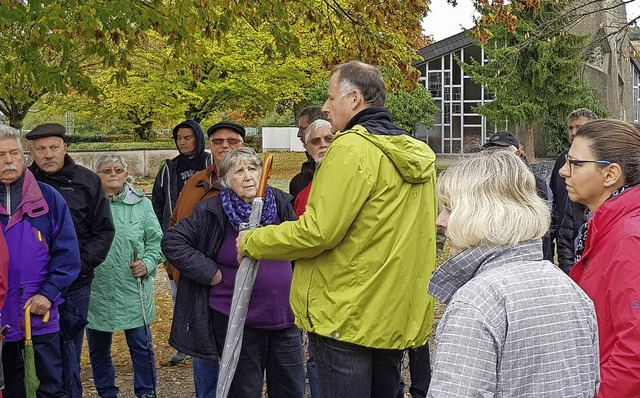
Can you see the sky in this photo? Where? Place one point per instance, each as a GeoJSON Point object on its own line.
{"type": "Point", "coordinates": [445, 20]}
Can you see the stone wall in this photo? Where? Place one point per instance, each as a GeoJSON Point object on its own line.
{"type": "Point", "coordinates": [142, 163]}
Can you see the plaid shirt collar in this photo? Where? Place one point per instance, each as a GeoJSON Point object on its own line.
{"type": "Point", "coordinates": [461, 268]}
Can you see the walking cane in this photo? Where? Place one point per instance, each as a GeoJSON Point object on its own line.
{"type": "Point", "coordinates": [146, 329]}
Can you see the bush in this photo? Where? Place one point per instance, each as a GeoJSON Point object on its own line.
{"type": "Point", "coordinates": [254, 141]}
{"type": "Point", "coordinates": [120, 146]}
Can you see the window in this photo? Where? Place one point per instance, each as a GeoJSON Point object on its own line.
{"type": "Point", "coordinates": [435, 84]}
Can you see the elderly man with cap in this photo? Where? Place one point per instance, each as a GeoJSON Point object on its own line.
{"type": "Point", "coordinates": [507, 141]}
{"type": "Point", "coordinates": [191, 330]}
{"type": "Point", "coordinates": [44, 260]}
{"type": "Point", "coordinates": [170, 180]}
{"type": "Point", "coordinates": [82, 190]}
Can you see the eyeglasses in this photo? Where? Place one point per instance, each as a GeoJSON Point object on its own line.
{"type": "Point", "coordinates": [571, 162]}
{"type": "Point", "coordinates": [318, 141]}
{"type": "Point", "coordinates": [117, 170]}
{"type": "Point", "coordinates": [230, 141]}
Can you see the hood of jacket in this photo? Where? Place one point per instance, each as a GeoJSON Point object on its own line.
{"type": "Point", "coordinates": [413, 159]}
{"type": "Point", "coordinates": [129, 195]}
{"type": "Point", "coordinates": [200, 145]}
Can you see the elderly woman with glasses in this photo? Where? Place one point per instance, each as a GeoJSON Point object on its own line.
{"type": "Point", "coordinates": [515, 325]}
{"type": "Point", "coordinates": [203, 248]}
{"type": "Point", "coordinates": [602, 171]}
{"type": "Point", "coordinates": [122, 292]}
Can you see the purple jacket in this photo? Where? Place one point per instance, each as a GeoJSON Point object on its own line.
{"type": "Point", "coordinates": [43, 255]}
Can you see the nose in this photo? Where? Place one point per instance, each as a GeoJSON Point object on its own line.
{"type": "Point", "coordinates": [442, 219]}
{"type": "Point", "coordinates": [564, 171]}
{"type": "Point", "coordinates": [325, 107]}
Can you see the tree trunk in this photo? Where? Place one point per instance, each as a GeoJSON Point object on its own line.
{"type": "Point", "coordinates": [529, 145]}
{"type": "Point", "coordinates": [15, 111]}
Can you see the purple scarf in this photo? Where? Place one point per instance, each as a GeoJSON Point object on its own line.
{"type": "Point", "coordinates": [239, 211]}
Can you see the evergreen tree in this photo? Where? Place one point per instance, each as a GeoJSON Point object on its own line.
{"type": "Point", "coordinates": [533, 70]}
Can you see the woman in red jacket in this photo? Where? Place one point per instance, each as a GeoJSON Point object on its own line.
{"type": "Point", "coordinates": [602, 171]}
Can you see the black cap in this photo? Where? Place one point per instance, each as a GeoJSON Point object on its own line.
{"type": "Point", "coordinates": [46, 130]}
{"type": "Point", "coordinates": [502, 139]}
{"type": "Point", "coordinates": [226, 125]}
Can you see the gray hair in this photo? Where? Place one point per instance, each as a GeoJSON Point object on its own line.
{"type": "Point", "coordinates": [8, 132]}
{"type": "Point", "coordinates": [232, 158]}
{"type": "Point", "coordinates": [493, 201]}
{"type": "Point", "coordinates": [110, 158]}
{"type": "Point", "coordinates": [313, 127]}
{"type": "Point", "coordinates": [582, 112]}
{"type": "Point", "coordinates": [365, 78]}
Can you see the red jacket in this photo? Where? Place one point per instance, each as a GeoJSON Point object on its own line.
{"type": "Point", "coordinates": [609, 272]}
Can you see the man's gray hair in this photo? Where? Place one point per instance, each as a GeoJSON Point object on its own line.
{"type": "Point", "coordinates": [365, 78]}
{"type": "Point", "coordinates": [232, 158]}
{"type": "Point", "coordinates": [8, 132]}
{"type": "Point", "coordinates": [110, 158]}
{"type": "Point", "coordinates": [313, 127]}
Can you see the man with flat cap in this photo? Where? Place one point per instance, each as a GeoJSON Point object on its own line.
{"type": "Point", "coordinates": [82, 190]}
{"type": "Point", "coordinates": [187, 317]}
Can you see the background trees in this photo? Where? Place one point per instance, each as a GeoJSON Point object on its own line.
{"type": "Point", "coordinates": [533, 69]}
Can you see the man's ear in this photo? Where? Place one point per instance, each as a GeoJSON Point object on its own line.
{"type": "Point", "coordinates": [357, 100]}
{"type": "Point", "coordinates": [613, 175]}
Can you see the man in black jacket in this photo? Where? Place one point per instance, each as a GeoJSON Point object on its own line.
{"type": "Point", "coordinates": [82, 190]}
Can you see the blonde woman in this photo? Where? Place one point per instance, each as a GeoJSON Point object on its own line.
{"type": "Point", "coordinates": [515, 325]}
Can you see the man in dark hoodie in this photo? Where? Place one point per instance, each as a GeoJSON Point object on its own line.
{"type": "Point", "coordinates": [170, 180]}
{"type": "Point", "coordinates": [82, 190]}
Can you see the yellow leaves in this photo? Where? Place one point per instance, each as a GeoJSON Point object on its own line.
{"type": "Point", "coordinates": [190, 25]}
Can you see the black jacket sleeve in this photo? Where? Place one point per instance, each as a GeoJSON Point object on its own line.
{"type": "Point", "coordinates": [101, 231]}
{"type": "Point", "coordinates": [557, 185]}
{"type": "Point", "coordinates": [158, 196]}
{"type": "Point", "coordinates": [574, 218]}
{"type": "Point", "coordinates": [184, 244]}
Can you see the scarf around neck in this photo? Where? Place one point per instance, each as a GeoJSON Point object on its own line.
{"type": "Point", "coordinates": [239, 211]}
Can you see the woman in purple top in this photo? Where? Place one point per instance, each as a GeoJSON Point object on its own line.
{"type": "Point", "coordinates": [203, 245]}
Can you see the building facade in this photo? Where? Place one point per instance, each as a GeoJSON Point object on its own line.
{"type": "Point", "coordinates": [610, 68]}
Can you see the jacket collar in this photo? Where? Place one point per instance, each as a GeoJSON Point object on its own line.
{"type": "Point", "coordinates": [32, 204]}
{"type": "Point", "coordinates": [606, 216]}
{"type": "Point", "coordinates": [464, 266]}
{"type": "Point", "coordinates": [66, 172]}
{"type": "Point", "coordinates": [376, 121]}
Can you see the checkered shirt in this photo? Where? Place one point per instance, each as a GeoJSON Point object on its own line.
{"type": "Point", "coordinates": [515, 326]}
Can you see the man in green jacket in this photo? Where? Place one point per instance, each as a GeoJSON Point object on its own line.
{"type": "Point", "coordinates": [365, 247]}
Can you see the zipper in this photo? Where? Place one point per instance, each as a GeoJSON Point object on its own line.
{"type": "Point", "coordinates": [9, 201]}
{"type": "Point", "coordinates": [309, 290]}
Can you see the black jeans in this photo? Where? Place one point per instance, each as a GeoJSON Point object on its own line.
{"type": "Point", "coordinates": [348, 370]}
{"type": "Point", "coordinates": [279, 352]}
{"type": "Point", "coordinates": [420, 372]}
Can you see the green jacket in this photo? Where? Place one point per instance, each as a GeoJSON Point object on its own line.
{"type": "Point", "coordinates": [115, 298]}
{"type": "Point", "coordinates": [365, 247]}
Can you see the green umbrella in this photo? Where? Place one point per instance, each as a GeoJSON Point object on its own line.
{"type": "Point", "coordinates": [30, 379]}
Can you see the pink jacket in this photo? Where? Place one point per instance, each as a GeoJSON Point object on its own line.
{"type": "Point", "coordinates": [609, 272]}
